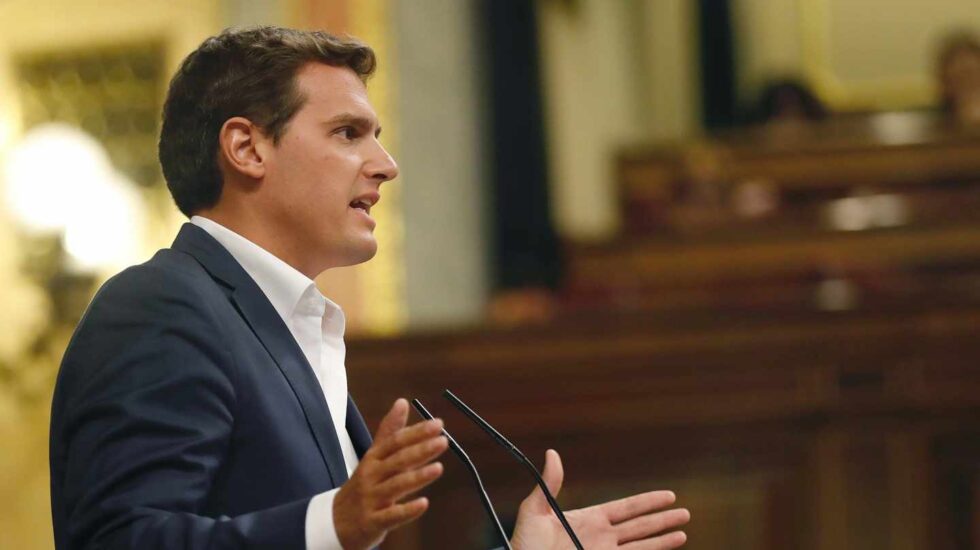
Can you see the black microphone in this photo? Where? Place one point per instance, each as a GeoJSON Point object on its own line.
{"type": "Point", "coordinates": [458, 451]}
{"type": "Point", "coordinates": [499, 438]}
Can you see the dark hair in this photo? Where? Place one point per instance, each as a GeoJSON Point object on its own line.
{"type": "Point", "coordinates": [240, 72]}
{"type": "Point", "coordinates": [788, 97]}
{"type": "Point", "coordinates": [954, 43]}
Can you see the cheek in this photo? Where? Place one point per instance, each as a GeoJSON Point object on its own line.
{"type": "Point", "coordinates": [315, 182]}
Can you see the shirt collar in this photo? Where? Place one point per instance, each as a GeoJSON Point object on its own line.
{"type": "Point", "coordinates": [282, 284]}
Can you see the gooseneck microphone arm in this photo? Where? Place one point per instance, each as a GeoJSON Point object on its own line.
{"type": "Point", "coordinates": [458, 451]}
{"type": "Point", "coordinates": [500, 439]}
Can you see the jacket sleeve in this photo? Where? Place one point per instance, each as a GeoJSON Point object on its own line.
{"type": "Point", "coordinates": [145, 409]}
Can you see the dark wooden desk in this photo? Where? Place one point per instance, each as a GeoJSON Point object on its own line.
{"type": "Point", "coordinates": [800, 430]}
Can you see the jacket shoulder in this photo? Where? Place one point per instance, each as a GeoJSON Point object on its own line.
{"type": "Point", "coordinates": [171, 294]}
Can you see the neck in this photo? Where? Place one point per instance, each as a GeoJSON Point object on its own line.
{"type": "Point", "coordinates": [265, 236]}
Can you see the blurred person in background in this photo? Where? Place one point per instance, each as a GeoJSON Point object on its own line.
{"type": "Point", "coordinates": [958, 71]}
{"type": "Point", "coordinates": [788, 101]}
{"type": "Point", "coordinates": [202, 402]}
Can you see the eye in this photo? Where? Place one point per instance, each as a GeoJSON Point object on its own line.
{"type": "Point", "coordinates": [347, 132]}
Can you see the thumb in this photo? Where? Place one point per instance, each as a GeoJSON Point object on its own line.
{"type": "Point", "coordinates": [394, 420]}
{"type": "Point", "coordinates": [553, 476]}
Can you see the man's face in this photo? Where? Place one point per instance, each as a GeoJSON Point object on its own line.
{"type": "Point", "coordinates": [325, 173]}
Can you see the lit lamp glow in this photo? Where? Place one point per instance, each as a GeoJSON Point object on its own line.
{"type": "Point", "coordinates": [59, 180]}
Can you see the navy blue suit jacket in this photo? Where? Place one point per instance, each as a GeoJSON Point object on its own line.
{"type": "Point", "coordinates": [186, 416]}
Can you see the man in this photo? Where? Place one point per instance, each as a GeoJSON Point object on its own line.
{"type": "Point", "coordinates": [202, 402]}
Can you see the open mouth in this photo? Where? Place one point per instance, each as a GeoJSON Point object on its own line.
{"type": "Point", "coordinates": [361, 205]}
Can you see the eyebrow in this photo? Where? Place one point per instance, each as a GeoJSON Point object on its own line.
{"type": "Point", "coordinates": [361, 122]}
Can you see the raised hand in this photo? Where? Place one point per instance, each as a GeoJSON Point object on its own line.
{"type": "Point", "coordinates": [398, 464]}
{"type": "Point", "coordinates": [638, 522]}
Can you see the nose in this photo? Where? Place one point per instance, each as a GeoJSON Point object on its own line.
{"type": "Point", "coordinates": [382, 168]}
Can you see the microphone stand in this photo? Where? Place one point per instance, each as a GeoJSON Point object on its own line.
{"type": "Point", "coordinates": [459, 452]}
{"type": "Point", "coordinates": [500, 439]}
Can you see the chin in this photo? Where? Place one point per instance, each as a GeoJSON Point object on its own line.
{"type": "Point", "coordinates": [360, 254]}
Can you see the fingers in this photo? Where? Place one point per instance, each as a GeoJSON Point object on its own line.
{"type": "Point", "coordinates": [395, 419]}
{"type": "Point", "coordinates": [399, 461]}
{"type": "Point", "coordinates": [651, 524]}
{"type": "Point", "coordinates": [637, 519]}
{"type": "Point", "coordinates": [400, 514]}
{"type": "Point", "coordinates": [628, 508]}
{"type": "Point", "coordinates": [396, 465]}
{"type": "Point", "coordinates": [663, 542]}
{"type": "Point", "coordinates": [406, 483]}
{"type": "Point", "coordinates": [404, 437]}
{"type": "Point", "coordinates": [412, 456]}
{"type": "Point", "coordinates": [553, 475]}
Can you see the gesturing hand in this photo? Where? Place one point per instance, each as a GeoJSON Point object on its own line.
{"type": "Point", "coordinates": [632, 523]}
{"type": "Point", "coordinates": [396, 465]}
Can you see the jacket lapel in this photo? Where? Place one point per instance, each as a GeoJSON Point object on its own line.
{"type": "Point", "coordinates": [270, 329]}
{"type": "Point", "coordinates": [360, 437]}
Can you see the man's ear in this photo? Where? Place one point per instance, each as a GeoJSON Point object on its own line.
{"type": "Point", "coordinates": [239, 147]}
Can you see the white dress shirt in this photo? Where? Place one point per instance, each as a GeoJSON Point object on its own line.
{"type": "Point", "coordinates": [317, 324]}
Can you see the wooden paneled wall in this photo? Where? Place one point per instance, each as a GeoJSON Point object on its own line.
{"type": "Point", "coordinates": [801, 381]}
